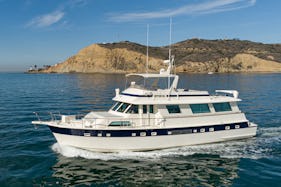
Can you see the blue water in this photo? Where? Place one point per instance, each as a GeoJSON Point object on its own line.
{"type": "Point", "coordinates": [31, 157]}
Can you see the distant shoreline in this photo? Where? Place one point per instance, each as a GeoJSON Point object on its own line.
{"type": "Point", "coordinates": [241, 72]}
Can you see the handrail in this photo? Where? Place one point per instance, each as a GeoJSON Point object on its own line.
{"type": "Point", "coordinates": [137, 118]}
{"type": "Point", "coordinates": [95, 122]}
{"type": "Point", "coordinates": [104, 121]}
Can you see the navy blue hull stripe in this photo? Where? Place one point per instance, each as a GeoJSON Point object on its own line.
{"type": "Point", "coordinates": [146, 132]}
{"type": "Point", "coordinates": [134, 95]}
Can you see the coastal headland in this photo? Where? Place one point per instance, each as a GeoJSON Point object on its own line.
{"type": "Point", "coordinates": [191, 56]}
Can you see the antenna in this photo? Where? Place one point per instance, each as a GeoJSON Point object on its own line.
{"type": "Point", "coordinates": [170, 43]}
{"type": "Point", "coordinates": [170, 60]}
{"type": "Point", "coordinates": [147, 33]}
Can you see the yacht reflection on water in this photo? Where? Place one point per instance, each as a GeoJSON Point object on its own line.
{"type": "Point", "coordinates": [192, 170]}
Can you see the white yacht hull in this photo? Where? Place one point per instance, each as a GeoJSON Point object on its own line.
{"type": "Point", "coordinates": [147, 143]}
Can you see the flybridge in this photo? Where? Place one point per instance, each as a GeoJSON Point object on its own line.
{"type": "Point", "coordinates": [163, 81]}
{"type": "Point", "coordinates": [151, 81]}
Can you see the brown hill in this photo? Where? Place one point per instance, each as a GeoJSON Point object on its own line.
{"type": "Point", "coordinates": [193, 55]}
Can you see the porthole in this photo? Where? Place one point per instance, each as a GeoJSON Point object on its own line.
{"type": "Point", "coordinates": [237, 126]}
{"type": "Point", "coordinates": [99, 134]}
{"type": "Point", "coordinates": [143, 134]}
{"type": "Point", "coordinates": [153, 133]}
{"type": "Point", "coordinates": [211, 129]}
{"type": "Point", "coordinates": [108, 134]}
{"type": "Point", "coordinates": [194, 130]}
{"type": "Point", "coordinates": [87, 134]}
{"type": "Point", "coordinates": [227, 127]}
{"type": "Point", "coordinates": [202, 130]}
{"type": "Point", "coordinates": [169, 132]}
{"type": "Point", "coordinates": [134, 134]}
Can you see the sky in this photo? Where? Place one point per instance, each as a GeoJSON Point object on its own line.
{"type": "Point", "coordinates": [48, 32]}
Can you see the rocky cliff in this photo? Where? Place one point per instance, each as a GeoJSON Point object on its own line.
{"type": "Point", "coordinates": [194, 55]}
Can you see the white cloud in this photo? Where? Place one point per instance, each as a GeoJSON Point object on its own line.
{"type": "Point", "coordinates": [206, 7]}
{"type": "Point", "coordinates": [49, 19]}
{"type": "Point", "coordinates": [46, 20]}
{"type": "Point", "coordinates": [76, 3]}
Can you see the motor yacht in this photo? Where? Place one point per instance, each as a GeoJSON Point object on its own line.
{"type": "Point", "coordinates": [153, 113]}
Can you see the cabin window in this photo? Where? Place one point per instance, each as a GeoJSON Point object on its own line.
{"type": "Point", "coordinates": [144, 109]}
{"type": "Point", "coordinates": [123, 107]}
{"type": "Point", "coordinates": [151, 109]}
{"type": "Point", "coordinates": [172, 109]}
{"type": "Point", "coordinates": [199, 108]}
{"type": "Point", "coordinates": [116, 105]}
{"type": "Point", "coordinates": [222, 107]}
{"type": "Point", "coordinates": [134, 109]}
{"type": "Point", "coordinates": [119, 123]}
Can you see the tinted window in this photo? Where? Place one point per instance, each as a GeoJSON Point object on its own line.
{"type": "Point", "coordinates": [144, 109]}
{"type": "Point", "coordinates": [116, 106]}
{"type": "Point", "coordinates": [199, 108]}
{"type": "Point", "coordinates": [173, 109]}
{"type": "Point", "coordinates": [151, 109]}
{"type": "Point", "coordinates": [120, 123]}
{"type": "Point", "coordinates": [222, 107]}
{"type": "Point", "coordinates": [123, 107]}
{"type": "Point", "coordinates": [134, 109]}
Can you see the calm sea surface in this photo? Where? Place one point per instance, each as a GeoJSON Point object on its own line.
{"type": "Point", "coordinates": [31, 157]}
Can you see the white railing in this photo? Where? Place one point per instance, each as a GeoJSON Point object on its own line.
{"type": "Point", "coordinates": [104, 122]}
{"type": "Point", "coordinates": [116, 122]}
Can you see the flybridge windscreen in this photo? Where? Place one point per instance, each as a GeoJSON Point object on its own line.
{"type": "Point", "coordinates": [149, 83]}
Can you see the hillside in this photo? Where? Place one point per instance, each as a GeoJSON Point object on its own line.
{"type": "Point", "coordinates": [195, 55]}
